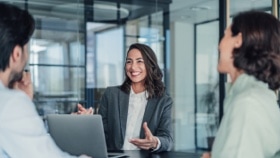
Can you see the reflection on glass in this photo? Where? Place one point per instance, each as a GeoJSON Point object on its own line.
{"type": "Point", "coordinates": [105, 58]}
{"type": "Point", "coordinates": [57, 56]}
{"type": "Point", "coordinates": [110, 57]}
{"type": "Point", "coordinates": [147, 30]}
{"type": "Point", "coordinates": [207, 90]}
{"type": "Point", "coordinates": [105, 51]}
{"type": "Point", "coordinates": [57, 86]}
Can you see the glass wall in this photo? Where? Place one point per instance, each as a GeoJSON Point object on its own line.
{"type": "Point", "coordinates": [57, 57]}
{"type": "Point", "coordinates": [147, 30]}
{"type": "Point", "coordinates": [109, 37]}
{"type": "Point", "coordinates": [207, 82]}
{"type": "Point", "coordinates": [105, 58]}
{"type": "Point", "coordinates": [57, 54]}
{"type": "Point", "coordinates": [194, 40]}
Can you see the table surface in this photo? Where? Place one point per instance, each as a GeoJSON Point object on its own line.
{"type": "Point", "coordinates": [148, 154]}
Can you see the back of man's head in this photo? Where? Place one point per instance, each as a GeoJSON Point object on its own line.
{"type": "Point", "coordinates": [16, 28]}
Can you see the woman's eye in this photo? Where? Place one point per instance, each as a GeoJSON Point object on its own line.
{"type": "Point", "coordinates": [128, 61]}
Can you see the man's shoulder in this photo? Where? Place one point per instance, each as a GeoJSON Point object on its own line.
{"type": "Point", "coordinates": [12, 96]}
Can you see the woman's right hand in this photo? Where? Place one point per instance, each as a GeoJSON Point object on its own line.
{"type": "Point", "coordinates": [84, 111]}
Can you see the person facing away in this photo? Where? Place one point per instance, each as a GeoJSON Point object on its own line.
{"type": "Point", "coordinates": [137, 114]}
{"type": "Point", "coordinates": [22, 131]}
{"type": "Point", "coordinates": [250, 54]}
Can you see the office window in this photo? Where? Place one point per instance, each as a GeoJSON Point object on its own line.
{"type": "Point", "coordinates": [57, 54]}
{"type": "Point", "coordinates": [110, 57]}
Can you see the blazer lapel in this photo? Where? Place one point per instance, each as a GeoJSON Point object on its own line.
{"type": "Point", "coordinates": [149, 112]}
{"type": "Point", "coordinates": [123, 107]}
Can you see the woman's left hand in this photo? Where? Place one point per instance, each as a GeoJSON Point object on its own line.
{"type": "Point", "coordinates": [150, 141]}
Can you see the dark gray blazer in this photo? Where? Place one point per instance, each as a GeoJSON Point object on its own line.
{"type": "Point", "coordinates": [114, 109]}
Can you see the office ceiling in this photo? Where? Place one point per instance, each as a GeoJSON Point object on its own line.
{"type": "Point", "coordinates": [61, 20]}
{"type": "Point", "coordinates": [196, 11]}
{"type": "Point", "coordinates": [190, 11]}
{"type": "Point", "coordinates": [68, 14]}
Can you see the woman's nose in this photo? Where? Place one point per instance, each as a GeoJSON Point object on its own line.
{"type": "Point", "coordinates": [133, 65]}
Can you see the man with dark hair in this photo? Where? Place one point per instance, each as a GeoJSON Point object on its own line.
{"type": "Point", "coordinates": [22, 131]}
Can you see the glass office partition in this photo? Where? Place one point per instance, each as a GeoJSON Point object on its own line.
{"type": "Point", "coordinates": [147, 30]}
{"type": "Point", "coordinates": [194, 36]}
{"type": "Point", "coordinates": [105, 58]}
{"type": "Point", "coordinates": [113, 28]}
{"type": "Point", "coordinates": [57, 55]}
{"type": "Point", "coordinates": [65, 68]}
{"type": "Point", "coordinates": [110, 59]}
{"type": "Point", "coordinates": [206, 75]}
{"type": "Point", "coordinates": [207, 82]}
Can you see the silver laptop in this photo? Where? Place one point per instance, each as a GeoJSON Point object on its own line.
{"type": "Point", "coordinates": [80, 134]}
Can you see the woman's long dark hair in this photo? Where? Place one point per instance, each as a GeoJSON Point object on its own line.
{"type": "Point", "coordinates": [259, 54]}
{"type": "Point", "coordinates": [153, 80]}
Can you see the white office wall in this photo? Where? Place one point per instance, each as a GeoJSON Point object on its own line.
{"type": "Point", "coordinates": [182, 84]}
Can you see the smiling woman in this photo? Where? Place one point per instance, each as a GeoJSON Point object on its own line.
{"type": "Point", "coordinates": [137, 114]}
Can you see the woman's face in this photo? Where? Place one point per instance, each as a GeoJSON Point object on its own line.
{"type": "Point", "coordinates": [135, 66]}
{"type": "Point", "coordinates": [227, 44]}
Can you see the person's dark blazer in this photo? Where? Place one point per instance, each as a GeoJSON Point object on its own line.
{"type": "Point", "coordinates": [114, 109]}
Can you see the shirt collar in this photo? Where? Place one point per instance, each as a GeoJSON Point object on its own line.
{"type": "Point", "coordinates": [144, 93]}
{"type": "Point", "coordinates": [243, 82]}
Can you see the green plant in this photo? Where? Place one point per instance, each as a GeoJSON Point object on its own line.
{"type": "Point", "coordinates": [210, 103]}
